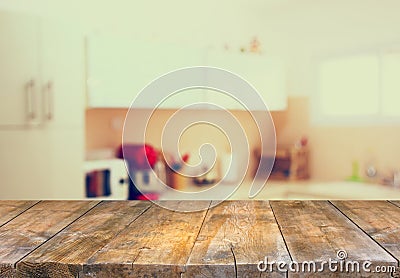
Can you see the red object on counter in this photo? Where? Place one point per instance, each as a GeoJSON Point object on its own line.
{"type": "Point", "coordinates": [185, 157]}
{"type": "Point", "coordinates": [140, 157]}
{"type": "Point", "coordinates": [303, 141]}
{"type": "Point", "coordinates": [148, 196]}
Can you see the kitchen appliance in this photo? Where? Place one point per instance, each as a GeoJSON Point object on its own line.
{"type": "Point", "coordinates": [118, 177]}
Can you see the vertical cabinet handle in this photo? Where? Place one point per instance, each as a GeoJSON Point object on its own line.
{"type": "Point", "coordinates": [49, 112]}
{"type": "Point", "coordinates": [30, 99]}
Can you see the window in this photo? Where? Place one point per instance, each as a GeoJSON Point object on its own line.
{"type": "Point", "coordinates": [360, 87]}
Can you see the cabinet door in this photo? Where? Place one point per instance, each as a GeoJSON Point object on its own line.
{"type": "Point", "coordinates": [24, 162]}
{"type": "Point", "coordinates": [19, 83]}
{"type": "Point", "coordinates": [41, 163]}
{"type": "Point", "coordinates": [62, 68]}
{"type": "Point", "coordinates": [230, 62]}
{"type": "Point", "coordinates": [264, 73]}
{"type": "Point", "coordinates": [62, 74]}
{"type": "Point", "coordinates": [65, 155]}
{"type": "Point", "coordinates": [175, 57]}
{"type": "Point", "coordinates": [120, 67]}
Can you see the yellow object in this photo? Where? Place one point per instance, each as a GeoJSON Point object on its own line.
{"type": "Point", "coordinates": [178, 181]}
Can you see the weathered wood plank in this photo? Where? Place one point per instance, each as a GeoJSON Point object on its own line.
{"type": "Point", "coordinates": [158, 244]}
{"type": "Point", "coordinates": [397, 203]}
{"type": "Point", "coordinates": [129, 239]}
{"type": "Point", "coordinates": [379, 219]}
{"type": "Point", "coordinates": [30, 229]}
{"type": "Point", "coordinates": [316, 231]}
{"type": "Point", "coordinates": [236, 235]}
{"type": "Point", "coordinates": [11, 209]}
{"type": "Point", "coordinates": [65, 254]}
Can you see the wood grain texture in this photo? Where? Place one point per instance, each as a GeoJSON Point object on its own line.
{"type": "Point", "coordinates": [316, 231]}
{"type": "Point", "coordinates": [397, 203]}
{"type": "Point", "coordinates": [141, 239]}
{"type": "Point", "coordinates": [236, 235]}
{"type": "Point", "coordinates": [11, 209]}
{"type": "Point", "coordinates": [66, 253]}
{"type": "Point", "coordinates": [379, 219]}
{"type": "Point", "coordinates": [158, 244]}
{"type": "Point", "coordinates": [35, 226]}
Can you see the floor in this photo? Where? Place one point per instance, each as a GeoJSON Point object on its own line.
{"type": "Point", "coordinates": [231, 239]}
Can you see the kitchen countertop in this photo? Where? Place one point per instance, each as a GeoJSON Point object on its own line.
{"type": "Point", "coordinates": [304, 190]}
{"type": "Point", "coordinates": [141, 239]}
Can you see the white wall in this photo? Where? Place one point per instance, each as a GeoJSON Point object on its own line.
{"type": "Point", "coordinates": [299, 31]}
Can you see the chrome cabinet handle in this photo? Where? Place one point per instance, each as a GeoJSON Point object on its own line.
{"type": "Point", "coordinates": [49, 113]}
{"type": "Point", "coordinates": [30, 99]}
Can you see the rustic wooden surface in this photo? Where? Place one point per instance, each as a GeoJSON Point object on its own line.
{"type": "Point", "coordinates": [35, 226]}
{"type": "Point", "coordinates": [235, 236]}
{"type": "Point", "coordinates": [163, 239]}
{"type": "Point", "coordinates": [11, 209]}
{"type": "Point", "coordinates": [140, 239]}
{"type": "Point", "coordinates": [379, 219]}
{"type": "Point", "coordinates": [66, 253]}
{"type": "Point", "coordinates": [397, 203]}
{"type": "Point", "coordinates": [315, 230]}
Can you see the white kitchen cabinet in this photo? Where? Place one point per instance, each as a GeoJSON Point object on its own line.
{"type": "Point", "coordinates": [65, 156]}
{"type": "Point", "coordinates": [177, 57]}
{"type": "Point", "coordinates": [118, 68]}
{"type": "Point", "coordinates": [41, 72]}
{"type": "Point", "coordinates": [25, 165]}
{"type": "Point", "coordinates": [62, 75]}
{"type": "Point", "coordinates": [41, 164]}
{"type": "Point", "coordinates": [266, 74]}
{"type": "Point", "coordinates": [42, 157]}
{"type": "Point", "coordinates": [19, 69]}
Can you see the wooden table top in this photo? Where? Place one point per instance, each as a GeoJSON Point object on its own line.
{"type": "Point", "coordinates": [140, 239]}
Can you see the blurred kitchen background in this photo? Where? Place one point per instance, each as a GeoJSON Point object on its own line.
{"type": "Point", "coordinates": [329, 72]}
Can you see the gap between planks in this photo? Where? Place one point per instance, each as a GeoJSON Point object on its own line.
{"type": "Point", "coordinates": [15, 264]}
{"type": "Point", "coordinates": [284, 240]}
{"type": "Point", "coordinates": [202, 225]}
{"type": "Point", "coordinates": [197, 236]}
{"type": "Point", "coordinates": [65, 254]}
{"type": "Point", "coordinates": [19, 213]}
{"type": "Point", "coordinates": [324, 219]}
{"type": "Point", "coordinates": [396, 203]}
{"type": "Point", "coordinates": [148, 241]}
{"type": "Point", "coordinates": [134, 249]}
{"type": "Point", "coordinates": [366, 233]}
{"type": "Point", "coordinates": [122, 230]}
{"type": "Point", "coordinates": [223, 246]}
